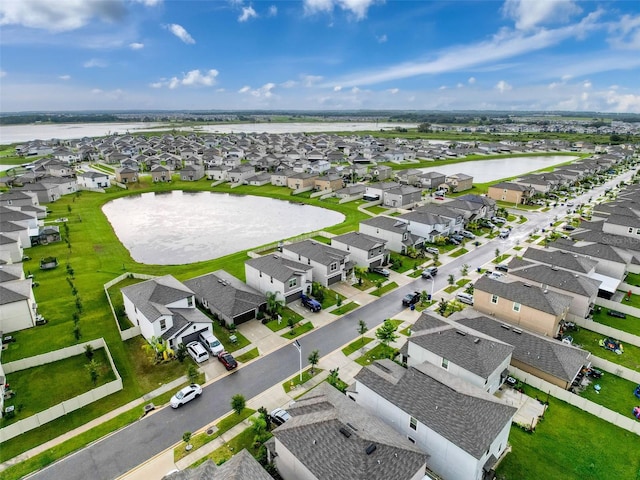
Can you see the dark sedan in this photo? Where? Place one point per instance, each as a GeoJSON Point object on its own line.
{"type": "Point", "coordinates": [227, 360]}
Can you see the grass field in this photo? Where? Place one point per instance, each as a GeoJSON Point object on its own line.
{"type": "Point", "coordinates": [356, 345]}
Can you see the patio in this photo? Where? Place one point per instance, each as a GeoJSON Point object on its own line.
{"type": "Point", "coordinates": [529, 409]}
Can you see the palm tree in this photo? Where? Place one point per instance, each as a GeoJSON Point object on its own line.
{"type": "Point", "coordinates": [360, 272]}
{"type": "Point", "coordinates": [314, 358]}
{"type": "Point", "coordinates": [362, 329]}
{"type": "Point", "coordinates": [451, 279]}
{"type": "Point", "coordinates": [274, 304]}
{"type": "Point", "coordinates": [464, 269]}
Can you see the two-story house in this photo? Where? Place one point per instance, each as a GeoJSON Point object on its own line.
{"type": "Point", "coordinates": [93, 180]}
{"type": "Point", "coordinates": [394, 230]}
{"type": "Point", "coordinates": [511, 192]}
{"type": "Point", "coordinates": [364, 250]}
{"type": "Point", "coordinates": [329, 264]}
{"type": "Point", "coordinates": [287, 278]}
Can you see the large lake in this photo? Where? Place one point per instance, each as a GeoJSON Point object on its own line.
{"type": "Point", "coordinates": [24, 133]}
{"type": "Point", "coordinates": [484, 171]}
{"type": "Point", "coordinates": [175, 228]}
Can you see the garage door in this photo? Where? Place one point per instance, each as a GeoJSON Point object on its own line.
{"type": "Point", "coordinates": [245, 317]}
{"type": "Point", "coordinates": [377, 263]}
{"type": "Point", "coordinates": [192, 337]}
{"type": "Point", "coordinates": [336, 279]}
{"type": "Point", "coordinates": [293, 296]}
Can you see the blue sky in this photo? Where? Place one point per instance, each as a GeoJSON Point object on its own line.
{"type": "Point", "coordinates": [320, 55]}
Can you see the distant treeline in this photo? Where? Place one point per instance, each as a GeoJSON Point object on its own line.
{"type": "Point", "coordinates": [21, 119]}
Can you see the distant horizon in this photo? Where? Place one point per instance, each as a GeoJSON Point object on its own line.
{"type": "Point", "coordinates": [320, 55]}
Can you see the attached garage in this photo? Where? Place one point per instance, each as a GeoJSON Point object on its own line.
{"type": "Point", "coordinates": [334, 279]}
{"type": "Point", "coordinates": [293, 296]}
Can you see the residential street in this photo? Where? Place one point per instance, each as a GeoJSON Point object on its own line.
{"type": "Point", "coordinates": [135, 444]}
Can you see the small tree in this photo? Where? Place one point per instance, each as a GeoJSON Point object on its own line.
{"type": "Point", "coordinates": [386, 333]}
{"type": "Point", "coordinates": [333, 376]}
{"type": "Point", "coordinates": [274, 305]}
{"type": "Point", "coordinates": [181, 352]}
{"type": "Point", "coordinates": [442, 306]}
{"type": "Point", "coordinates": [451, 279]}
{"type": "Point", "coordinates": [265, 415]}
{"type": "Point", "coordinates": [192, 373]}
{"type": "Point", "coordinates": [88, 351]}
{"type": "Point", "coordinates": [238, 403]}
{"type": "Point", "coordinates": [314, 358]}
{"type": "Point", "coordinates": [362, 329]}
{"type": "Point", "coordinates": [186, 438]}
{"type": "Point", "coordinates": [259, 427]}
{"type": "Point", "coordinates": [424, 297]}
{"type": "Point", "coordinates": [93, 368]}
{"type": "Point", "coordinates": [497, 252]}
{"type": "Point", "coordinates": [76, 332]}
{"type": "Point", "coordinates": [360, 273]}
{"type": "Point", "coordinates": [464, 269]}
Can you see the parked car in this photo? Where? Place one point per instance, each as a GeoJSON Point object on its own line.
{"type": "Point", "coordinates": [494, 275]}
{"type": "Point", "coordinates": [197, 352]}
{"type": "Point", "coordinates": [504, 233]}
{"type": "Point", "coordinates": [498, 220]}
{"type": "Point", "coordinates": [439, 197]}
{"type": "Point", "coordinates": [429, 272]}
{"type": "Point", "coordinates": [569, 228]}
{"type": "Point", "coordinates": [467, 234]}
{"type": "Point", "coordinates": [185, 395]}
{"type": "Point", "coordinates": [432, 250]}
{"type": "Point", "coordinates": [453, 241]}
{"type": "Point", "coordinates": [465, 298]}
{"type": "Point", "coordinates": [502, 268]}
{"type": "Point", "coordinates": [411, 299]}
{"type": "Point", "coordinates": [616, 313]}
{"type": "Point", "coordinates": [310, 303]}
{"type": "Point", "coordinates": [210, 342]}
{"type": "Point", "coordinates": [279, 416]}
{"type": "Point", "coordinates": [487, 224]}
{"type": "Point", "coordinates": [227, 360]}
{"type": "Point", "coordinates": [457, 236]}
{"type": "Point", "coordinates": [381, 271]}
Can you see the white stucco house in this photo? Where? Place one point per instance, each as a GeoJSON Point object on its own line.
{"type": "Point", "coordinates": [275, 273]}
{"type": "Point", "coordinates": [93, 180]}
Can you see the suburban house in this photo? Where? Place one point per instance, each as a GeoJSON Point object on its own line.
{"type": "Point", "coordinates": [364, 250]}
{"type": "Point", "coordinates": [275, 273]}
{"type": "Point", "coordinates": [191, 173]}
{"type": "Point", "coordinates": [478, 359]}
{"type": "Point", "coordinates": [427, 225]}
{"type": "Point", "coordinates": [611, 260]}
{"type": "Point", "coordinates": [93, 180]}
{"type": "Point", "coordinates": [18, 308]}
{"type": "Point", "coordinates": [511, 192]}
{"type": "Point", "coordinates": [462, 428]}
{"type": "Point", "coordinates": [394, 230]}
{"type": "Point", "coordinates": [542, 356]}
{"type": "Point", "coordinates": [404, 196]}
{"type": "Point", "coordinates": [241, 466]}
{"type": "Point", "coordinates": [331, 182]}
{"type": "Point", "coordinates": [330, 437]}
{"type": "Point", "coordinates": [11, 250]}
{"type": "Point", "coordinates": [381, 172]}
{"type": "Point", "coordinates": [624, 225]}
{"type": "Point", "coordinates": [458, 182]}
{"type": "Point", "coordinates": [521, 304]}
{"type": "Point", "coordinates": [301, 180]}
{"type": "Point", "coordinates": [241, 173]}
{"type": "Point", "coordinates": [161, 173]}
{"type": "Point", "coordinates": [330, 265]}
{"type": "Point", "coordinates": [581, 289]}
{"type": "Point", "coordinates": [165, 308]}
{"type": "Point", "coordinates": [431, 180]}
{"type": "Point", "coordinates": [18, 199]}
{"type": "Point", "coordinates": [375, 191]}
{"type": "Point", "coordinates": [473, 207]}
{"type": "Point", "coordinates": [126, 175]}
{"type": "Point", "coordinates": [224, 295]}
{"type": "Point", "coordinates": [15, 231]}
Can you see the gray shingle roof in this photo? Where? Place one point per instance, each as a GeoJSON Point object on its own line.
{"type": "Point", "coordinates": [318, 252]}
{"type": "Point", "coordinates": [313, 436]}
{"type": "Point", "coordinates": [562, 259]}
{"type": "Point", "coordinates": [242, 466]}
{"type": "Point", "coordinates": [557, 278]}
{"type": "Point", "coordinates": [526, 294]}
{"type": "Point", "coordinates": [464, 414]}
{"type": "Point", "coordinates": [543, 353]}
{"type": "Point", "coordinates": [359, 240]}
{"type": "Point", "coordinates": [278, 267]}
{"type": "Point", "coordinates": [152, 296]}
{"type": "Point", "coordinates": [386, 223]}
{"type": "Point", "coordinates": [595, 250]}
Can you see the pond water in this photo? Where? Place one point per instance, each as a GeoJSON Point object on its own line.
{"type": "Point", "coordinates": [174, 228]}
{"type": "Point", "coordinates": [484, 171]}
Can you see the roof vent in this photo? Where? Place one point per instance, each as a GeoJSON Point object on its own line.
{"type": "Point", "coordinates": [526, 285]}
{"type": "Point", "coordinates": [459, 332]}
{"type": "Point", "coordinates": [476, 340]}
{"type": "Point", "coordinates": [219, 280]}
{"type": "Point", "coordinates": [345, 432]}
{"type": "Point", "coordinates": [276, 257]}
{"type": "Point", "coordinates": [370, 449]}
{"type": "Point", "coordinates": [517, 330]}
{"type": "Point", "coordinates": [505, 326]}
{"type": "Point", "coordinates": [352, 427]}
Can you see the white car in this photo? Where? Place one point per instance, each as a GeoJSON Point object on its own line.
{"type": "Point", "coordinates": [185, 395]}
{"type": "Point", "coordinates": [197, 352]}
{"type": "Point", "coordinates": [279, 416]}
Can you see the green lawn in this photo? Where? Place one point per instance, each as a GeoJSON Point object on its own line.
{"type": "Point", "coordinates": [377, 352]}
{"type": "Point", "coordinates": [295, 380]}
{"type": "Point", "coordinates": [633, 279]}
{"type": "Point", "coordinates": [299, 330]}
{"type": "Point", "coordinates": [563, 447]}
{"type": "Point", "coordinates": [274, 326]}
{"type": "Point", "coordinates": [331, 298]}
{"type": "Point", "coordinates": [356, 345]}
{"type": "Point", "coordinates": [406, 331]}
{"type": "Point", "coordinates": [401, 263]}
{"type": "Point", "coordinates": [500, 258]}
{"type": "Point", "coordinates": [451, 288]}
{"type": "Point", "coordinates": [630, 324]}
{"type": "Point", "coordinates": [634, 301]}
{"type": "Point", "coordinates": [377, 209]}
{"type": "Point", "coordinates": [250, 355]}
{"type": "Point", "coordinates": [33, 386]}
{"type": "Point", "coordinates": [616, 393]}
{"type": "Point", "coordinates": [345, 308]}
{"type": "Point", "coordinates": [462, 282]}
{"type": "Point", "coordinates": [588, 340]}
{"type": "Point", "coordinates": [378, 292]}
{"type": "Point", "coordinates": [233, 446]}
{"type": "Point", "coordinates": [457, 253]}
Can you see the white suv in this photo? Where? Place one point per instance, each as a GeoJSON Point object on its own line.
{"type": "Point", "coordinates": [197, 352]}
{"type": "Point", "coordinates": [210, 342]}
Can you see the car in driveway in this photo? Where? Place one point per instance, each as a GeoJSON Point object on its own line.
{"type": "Point", "coordinates": [465, 298]}
{"type": "Point", "coordinates": [504, 233]}
{"type": "Point", "coordinates": [453, 241]}
{"type": "Point", "coordinates": [381, 271]}
{"type": "Point", "coordinates": [487, 224]}
{"type": "Point", "coordinates": [279, 416]}
{"type": "Point", "coordinates": [502, 268]}
{"type": "Point", "coordinates": [429, 272]}
{"type": "Point", "coordinates": [185, 395]}
{"type": "Point", "coordinates": [227, 360]}
{"type": "Point", "coordinates": [310, 303]}
{"type": "Point", "coordinates": [197, 352]}
{"type": "Point", "coordinates": [467, 234]}
{"type": "Point", "coordinates": [498, 220]}
{"type": "Point", "coordinates": [569, 228]}
{"type": "Point", "coordinates": [411, 299]}
{"type": "Point", "coordinates": [457, 236]}
{"type": "Point", "coordinates": [432, 250]}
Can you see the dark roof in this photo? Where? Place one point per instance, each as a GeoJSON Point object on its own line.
{"type": "Point", "coordinates": [560, 279]}
{"type": "Point", "coordinates": [152, 296]}
{"type": "Point", "coordinates": [526, 294]}
{"type": "Point", "coordinates": [278, 267]}
{"type": "Point", "coordinates": [386, 223]}
{"type": "Point", "coordinates": [316, 251]}
{"type": "Point", "coordinates": [595, 250]}
{"type": "Point", "coordinates": [426, 321]}
{"type": "Point", "coordinates": [562, 259]}
{"type": "Point", "coordinates": [359, 240]}
{"type": "Point", "coordinates": [313, 435]}
{"type": "Point", "coordinates": [543, 353]}
{"type": "Point", "coordinates": [242, 466]}
{"type": "Point", "coordinates": [462, 413]}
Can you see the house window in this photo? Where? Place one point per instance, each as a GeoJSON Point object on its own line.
{"type": "Point", "coordinates": [413, 423]}
{"type": "Point", "coordinates": [333, 267]}
{"type": "Point", "coordinates": [293, 282]}
{"type": "Point", "coordinates": [445, 363]}
{"type": "Point", "coordinates": [189, 301]}
{"type": "Point", "coordinates": [163, 324]}
{"type": "Point", "coordinates": [637, 231]}
{"type": "Point", "coordinates": [410, 439]}
{"type": "Point", "coordinates": [494, 298]}
{"type": "Point", "coordinates": [516, 307]}
{"type": "Point", "coordinates": [630, 229]}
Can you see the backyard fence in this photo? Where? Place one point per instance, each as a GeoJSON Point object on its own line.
{"type": "Point", "coordinates": [616, 369]}
{"type": "Point", "coordinates": [619, 306]}
{"type": "Point", "coordinates": [625, 287]}
{"type": "Point", "coordinates": [607, 331]}
{"type": "Point", "coordinates": [628, 423]}
{"type": "Point", "coordinates": [67, 406]}
{"type": "Point", "coordinates": [134, 331]}
{"type": "Point", "coordinates": [350, 198]}
{"type": "Point", "coordinates": [256, 252]}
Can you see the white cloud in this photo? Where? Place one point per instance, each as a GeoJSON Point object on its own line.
{"type": "Point", "coordinates": [247, 14]}
{"type": "Point", "coordinates": [393, 91]}
{"type": "Point", "coordinates": [289, 84]}
{"type": "Point", "coordinates": [471, 80]}
{"type": "Point", "coordinates": [459, 85]}
{"type": "Point", "coordinates": [193, 78]}
{"type": "Point", "coordinates": [149, 3]}
{"type": "Point", "coordinates": [244, 89]}
{"type": "Point", "coordinates": [586, 84]}
{"type": "Point", "coordinates": [625, 34]}
{"type": "Point", "coordinates": [337, 88]}
{"type": "Point", "coordinates": [264, 91]}
{"type": "Point", "coordinates": [442, 87]}
{"type": "Point", "coordinates": [310, 80]}
{"type": "Point", "coordinates": [503, 86]}
{"type": "Point", "coordinates": [180, 32]}
{"type": "Point", "coordinates": [96, 91]}
{"type": "Point", "coordinates": [56, 17]}
{"type": "Point", "coordinates": [94, 63]}
{"type": "Point", "coordinates": [3, 73]}
{"type": "Point", "coordinates": [382, 38]}
{"type": "Point", "coordinates": [64, 77]}
{"type": "Point", "coordinates": [136, 46]}
{"type": "Point", "coordinates": [618, 102]}
{"type": "Point", "coordinates": [355, 90]}
{"type": "Point", "coordinates": [358, 8]}
{"type": "Point", "coordinates": [529, 14]}
{"type": "Point", "coordinates": [273, 11]}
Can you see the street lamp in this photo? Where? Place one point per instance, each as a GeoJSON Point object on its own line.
{"type": "Point", "coordinates": [433, 281]}
{"type": "Point", "coordinates": [299, 347]}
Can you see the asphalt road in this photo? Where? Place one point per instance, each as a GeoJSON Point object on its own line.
{"type": "Point", "coordinates": [127, 448]}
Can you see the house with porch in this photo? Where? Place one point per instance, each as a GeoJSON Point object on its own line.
{"type": "Point", "coordinates": [192, 172]}
{"type": "Point", "coordinates": [330, 265]}
{"type": "Point", "coordinates": [364, 250]}
{"type": "Point", "coordinates": [394, 230]}
{"type": "Point", "coordinates": [275, 273]}
{"type": "Point", "coordinates": [458, 182]}
{"type": "Point", "coordinates": [126, 175]}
